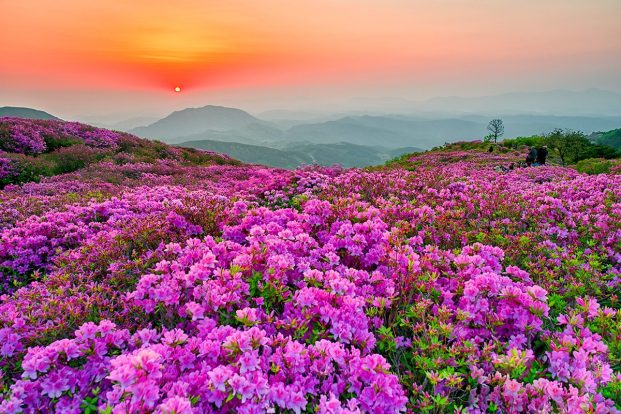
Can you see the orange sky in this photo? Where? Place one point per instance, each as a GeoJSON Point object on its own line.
{"type": "Point", "coordinates": [72, 52]}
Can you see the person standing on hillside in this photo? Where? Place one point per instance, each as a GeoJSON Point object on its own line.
{"type": "Point", "coordinates": [531, 157]}
{"type": "Point", "coordinates": [542, 154]}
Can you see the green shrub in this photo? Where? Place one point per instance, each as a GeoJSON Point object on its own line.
{"type": "Point", "coordinates": [54, 142]}
{"type": "Point", "coordinates": [594, 166]}
{"type": "Point", "coordinates": [73, 158]}
{"type": "Point", "coordinates": [601, 151]}
{"type": "Point", "coordinates": [532, 141]}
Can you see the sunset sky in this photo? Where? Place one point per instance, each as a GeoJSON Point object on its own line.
{"type": "Point", "coordinates": [77, 57]}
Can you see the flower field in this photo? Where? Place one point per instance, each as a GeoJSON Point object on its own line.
{"type": "Point", "coordinates": [434, 285]}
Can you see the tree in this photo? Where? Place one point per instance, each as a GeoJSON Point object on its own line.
{"type": "Point", "coordinates": [496, 129]}
{"type": "Point", "coordinates": [571, 146]}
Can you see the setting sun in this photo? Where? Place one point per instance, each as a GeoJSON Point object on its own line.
{"type": "Point", "coordinates": [177, 89]}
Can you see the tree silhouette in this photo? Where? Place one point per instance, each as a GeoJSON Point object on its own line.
{"type": "Point", "coordinates": [496, 129]}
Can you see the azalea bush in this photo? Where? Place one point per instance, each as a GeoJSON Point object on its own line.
{"type": "Point", "coordinates": [436, 284]}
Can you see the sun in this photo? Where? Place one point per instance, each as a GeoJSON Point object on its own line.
{"type": "Point", "coordinates": [177, 89]}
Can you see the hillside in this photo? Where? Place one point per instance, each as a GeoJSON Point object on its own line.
{"type": "Point", "coordinates": [28, 113]}
{"type": "Point", "coordinates": [610, 138]}
{"type": "Point", "coordinates": [32, 149]}
{"type": "Point", "coordinates": [347, 154]}
{"type": "Point", "coordinates": [210, 281]}
{"type": "Point", "coordinates": [293, 154]}
{"type": "Point", "coordinates": [253, 134]}
{"type": "Point", "coordinates": [253, 154]}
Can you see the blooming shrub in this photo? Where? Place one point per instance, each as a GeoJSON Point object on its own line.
{"type": "Point", "coordinates": [440, 285]}
{"type": "Point", "coordinates": [7, 169]}
{"type": "Point", "coordinates": [595, 165]}
{"type": "Point", "coordinates": [21, 137]}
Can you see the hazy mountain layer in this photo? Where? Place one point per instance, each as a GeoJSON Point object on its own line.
{"type": "Point", "coordinates": [345, 154]}
{"type": "Point", "coordinates": [363, 139]}
{"type": "Point", "coordinates": [588, 102]}
{"type": "Point", "coordinates": [194, 120]}
{"type": "Point", "coordinates": [213, 123]}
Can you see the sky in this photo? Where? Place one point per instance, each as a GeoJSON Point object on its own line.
{"type": "Point", "coordinates": [116, 58]}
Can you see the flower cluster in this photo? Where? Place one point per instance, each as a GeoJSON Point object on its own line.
{"type": "Point", "coordinates": [29, 136]}
{"type": "Point", "coordinates": [446, 286]}
{"type": "Point", "coordinates": [6, 168]}
{"type": "Point", "coordinates": [24, 139]}
{"type": "Point", "coordinates": [221, 368]}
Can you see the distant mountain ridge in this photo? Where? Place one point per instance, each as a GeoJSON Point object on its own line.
{"type": "Point", "coordinates": [26, 113]}
{"type": "Point", "coordinates": [360, 139]}
{"type": "Point", "coordinates": [585, 102]}
{"type": "Point", "coordinates": [195, 120]}
{"type": "Point", "coordinates": [387, 131]}
{"type": "Point", "coordinates": [218, 123]}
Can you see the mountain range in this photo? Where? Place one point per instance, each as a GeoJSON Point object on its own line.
{"type": "Point", "coordinates": [380, 134]}
{"type": "Point", "coordinates": [587, 102]}
{"type": "Point", "coordinates": [288, 138]}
